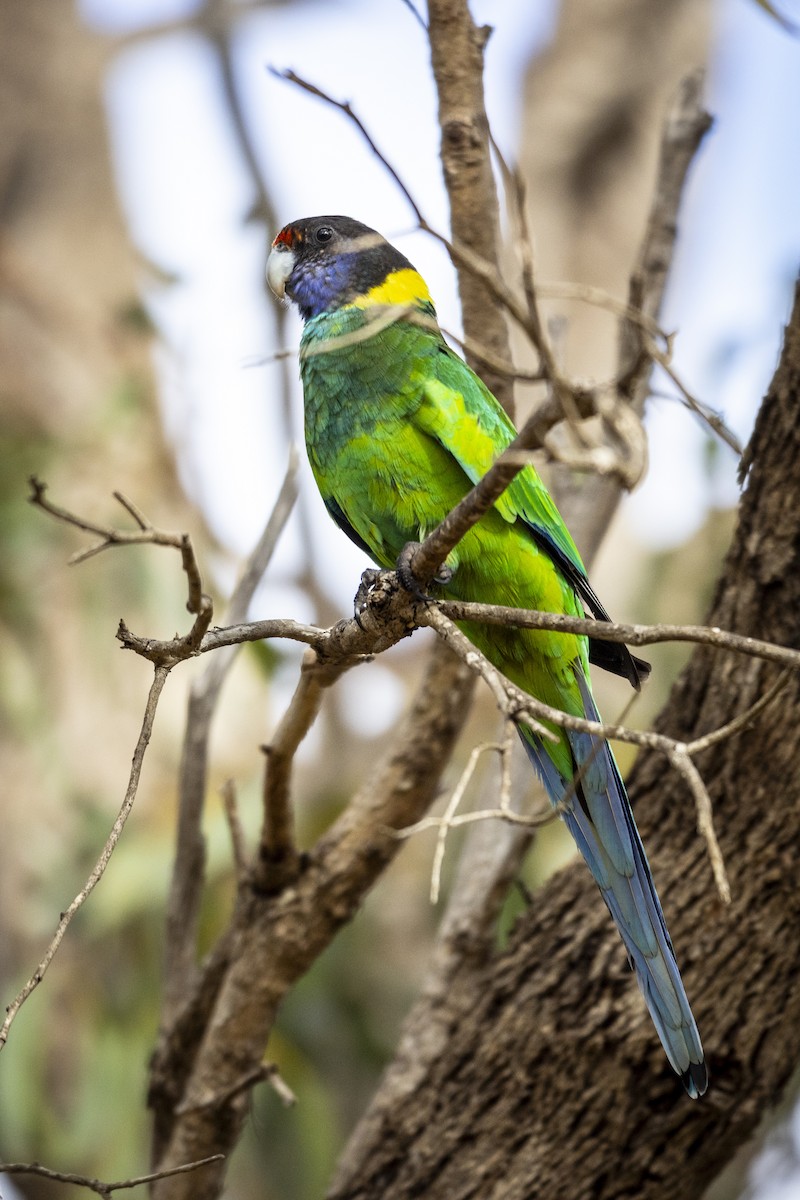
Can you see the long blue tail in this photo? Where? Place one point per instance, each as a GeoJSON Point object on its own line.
{"type": "Point", "coordinates": [599, 817]}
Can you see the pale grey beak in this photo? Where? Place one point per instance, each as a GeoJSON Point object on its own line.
{"type": "Point", "coordinates": [280, 265]}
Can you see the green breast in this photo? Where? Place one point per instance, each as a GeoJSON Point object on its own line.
{"type": "Point", "coordinates": [356, 387]}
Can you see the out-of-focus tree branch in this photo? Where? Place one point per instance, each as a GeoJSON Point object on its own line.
{"type": "Point", "coordinates": [188, 872]}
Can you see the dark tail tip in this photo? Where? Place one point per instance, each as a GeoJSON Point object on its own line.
{"type": "Point", "coordinates": [695, 1080]}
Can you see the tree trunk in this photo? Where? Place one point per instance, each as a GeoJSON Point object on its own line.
{"type": "Point", "coordinates": [554, 1084]}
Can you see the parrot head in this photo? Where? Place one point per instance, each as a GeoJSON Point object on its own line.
{"type": "Point", "coordinates": [323, 263]}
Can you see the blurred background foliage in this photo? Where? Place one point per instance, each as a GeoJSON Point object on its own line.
{"type": "Point", "coordinates": [91, 368]}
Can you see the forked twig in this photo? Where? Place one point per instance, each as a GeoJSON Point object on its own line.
{"type": "Point", "coordinates": [198, 603]}
{"type": "Point", "coordinates": [263, 1073]}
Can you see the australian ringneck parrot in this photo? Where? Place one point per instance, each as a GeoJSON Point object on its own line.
{"type": "Point", "coordinates": [398, 428]}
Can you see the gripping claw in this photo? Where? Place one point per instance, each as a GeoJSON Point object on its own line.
{"type": "Point", "coordinates": [408, 579]}
{"type": "Point", "coordinates": [368, 580]}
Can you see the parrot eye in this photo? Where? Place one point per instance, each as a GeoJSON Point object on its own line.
{"type": "Point", "coordinates": [323, 234]}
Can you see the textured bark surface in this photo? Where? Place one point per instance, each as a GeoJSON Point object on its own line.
{"type": "Point", "coordinates": [594, 104]}
{"type": "Point", "coordinates": [554, 1084]}
{"type": "Point", "coordinates": [457, 47]}
{"type": "Point", "coordinates": [196, 1082]}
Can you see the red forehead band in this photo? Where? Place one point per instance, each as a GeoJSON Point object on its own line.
{"type": "Point", "coordinates": [287, 237]}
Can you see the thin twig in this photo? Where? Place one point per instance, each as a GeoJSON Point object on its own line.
{"type": "Point", "coordinates": [563, 393]}
{"type": "Point", "coordinates": [446, 821]}
{"type": "Point", "coordinates": [238, 840]}
{"type": "Point", "coordinates": [520, 706]}
{"type": "Point", "coordinates": [146, 534]}
{"type": "Point", "coordinates": [156, 687]}
{"type": "Point", "coordinates": [614, 631]}
{"type": "Point", "coordinates": [738, 724]}
{"type": "Point", "coordinates": [198, 603]}
{"type": "Point", "coordinates": [97, 1185]}
{"type": "Point", "coordinates": [263, 1073]}
{"type": "Point", "coordinates": [680, 759]}
{"type": "Point", "coordinates": [684, 129]}
{"type": "Point", "coordinates": [449, 819]}
{"type": "Point", "coordinates": [133, 509]}
{"type": "Point", "coordinates": [344, 106]}
{"type": "Point", "coordinates": [462, 255]}
{"type": "Point", "coordinates": [416, 13]}
{"type": "Point", "coordinates": [588, 293]}
{"type": "Point", "coordinates": [707, 415]}
{"type": "Point", "coordinates": [527, 820]}
{"type": "Point", "coordinates": [470, 346]}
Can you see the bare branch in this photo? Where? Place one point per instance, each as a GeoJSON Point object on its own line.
{"type": "Point", "coordinates": [156, 687]}
{"type": "Point", "coordinates": [740, 723]}
{"type": "Point", "coordinates": [684, 129]}
{"type": "Point", "coordinates": [263, 1073]}
{"type": "Point", "coordinates": [457, 47]}
{"type": "Point", "coordinates": [504, 812]}
{"type": "Point", "coordinates": [680, 759]}
{"type": "Point", "coordinates": [238, 842]}
{"type": "Point", "coordinates": [706, 414]}
{"type": "Point", "coordinates": [188, 872]}
{"type": "Point", "coordinates": [523, 708]}
{"type": "Point", "coordinates": [353, 641]}
{"type": "Point", "coordinates": [345, 107]}
{"type": "Point", "coordinates": [133, 509]}
{"type": "Point", "coordinates": [197, 603]}
{"type": "Point", "coordinates": [278, 853]}
{"type": "Point", "coordinates": [146, 534]}
{"type": "Point", "coordinates": [97, 1185]}
{"type": "Point", "coordinates": [614, 631]}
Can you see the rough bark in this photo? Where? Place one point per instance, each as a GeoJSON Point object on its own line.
{"type": "Point", "coordinates": [196, 1089]}
{"type": "Point", "coordinates": [552, 1083]}
{"type": "Point", "coordinates": [594, 105]}
{"type": "Point", "coordinates": [457, 47]}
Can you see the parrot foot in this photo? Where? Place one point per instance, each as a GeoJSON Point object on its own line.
{"type": "Point", "coordinates": [368, 580]}
{"type": "Point", "coordinates": [408, 579]}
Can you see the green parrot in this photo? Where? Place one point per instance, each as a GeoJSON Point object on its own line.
{"type": "Point", "coordinates": [398, 429]}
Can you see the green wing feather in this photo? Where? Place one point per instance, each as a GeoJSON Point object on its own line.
{"type": "Point", "coordinates": [457, 406]}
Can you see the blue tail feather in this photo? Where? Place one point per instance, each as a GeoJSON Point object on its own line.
{"type": "Point", "coordinates": [599, 817]}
